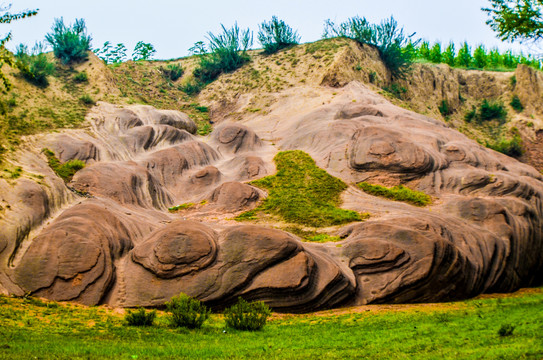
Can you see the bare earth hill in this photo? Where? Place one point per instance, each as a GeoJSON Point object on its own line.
{"type": "Point", "coordinates": [106, 236]}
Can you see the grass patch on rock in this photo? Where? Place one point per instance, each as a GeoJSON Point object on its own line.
{"type": "Point", "coordinates": [398, 193]}
{"type": "Point", "coordinates": [66, 170]}
{"type": "Point", "coordinates": [302, 193]}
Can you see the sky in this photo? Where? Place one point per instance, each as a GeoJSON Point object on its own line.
{"type": "Point", "coordinates": [174, 26]}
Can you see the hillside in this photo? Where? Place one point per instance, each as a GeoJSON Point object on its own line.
{"type": "Point", "coordinates": [270, 184]}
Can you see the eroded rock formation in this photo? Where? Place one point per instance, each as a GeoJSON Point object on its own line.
{"type": "Point", "coordinates": [107, 237]}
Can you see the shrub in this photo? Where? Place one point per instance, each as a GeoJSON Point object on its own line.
{"type": "Point", "coordinates": [513, 81]}
{"type": "Point", "coordinates": [471, 115]}
{"type": "Point", "coordinates": [398, 193]}
{"type": "Point", "coordinates": [87, 99]}
{"type": "Point", "coordinates": [506, 330]}
{"type": "Point", "coordinates": [65, 171]}
{"type": "Point", "coordinates": [143, 51]}
{"type": "Point", "coordinates": [387, 37]}
{"type": "Point", "coordinates": [81, 77]}
{"type": "Point", "coordinates": [228, 52]}
{"type": "Point", "coordinates": [247, 316]}
{"type": "Point", "coordinates": [186, 311]}
{"type": "Point", "coordinates": [140, 317]}
{"type": "Point", "coordinates": [510, 147]}
{"type": "Point", "coordinates": [276, 35]}
{"type": "Point", "coordinates": [396, 90]}
{"type": "Point", "coordinates": [516, 104]}
{"type": "Point", "coordinates": [444, 108]}
{"type": "Point", "coordinates": [70, 44]}
{"type": "Point", "coordinates": [172, 71]}
{"type": "Point", "coordinates": [34, 66]}
{"type": "Point", "coordinates": [492, 110]}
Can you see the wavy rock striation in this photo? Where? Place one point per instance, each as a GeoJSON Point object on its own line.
{"type": "Point", "coordinates": [111, 239]}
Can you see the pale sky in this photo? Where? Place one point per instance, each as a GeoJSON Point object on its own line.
{"type": "Point", "coordinates": [174, 26]}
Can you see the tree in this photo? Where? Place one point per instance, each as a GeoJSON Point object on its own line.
{"type": "Point", "coordinates": [6, 57]}
{"type": "Point", "coordinates": [70, 43]}
{"type": "Point", "coordinates": [513, 20]}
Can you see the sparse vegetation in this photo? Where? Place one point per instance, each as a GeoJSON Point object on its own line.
{"type": "Point", "coordinates": [276, 35]}
{"type": "Point", "coordinates": [81, 77]}
{"type": "Point", "coordinates": [64, 170]}
{"type": "Point", "coordinates": [247, 316]}
{"type": "Point", "coordinates": [516, 104]}
{"type": "Point", "coordinates": [398, 193]}
{"type": "Point", "coordinates": [140, 317]}
{"type": "Point", "coordinates": [70, 44]}
{"type": "Point", "coordinates": [6, 56]}
{"type": "Point", "coordinates": [396, 90]}
{"type": "Point", "coordinates": [185, 311]}
{"type": "Point", "coordinates": [444, 108]}
{"type": "Point", "coordinates": [172, 71]}
{"type": "Point", "coordinates": [87, 99]}
{"type": "Point", "coordinates": [227, 52]}
{"type": "Point", "coordinates": [487, 111]}
{"type": "Point", "coordinates": [510, 146]}
{"type": "Point", "coordinates": [302, 193]}
{"type": "Point", "coordinates": [180, 207]}
{"type": "Point", "coordinates": [387, 37]}
{"type": "Point", "coordinates": [34, 66]}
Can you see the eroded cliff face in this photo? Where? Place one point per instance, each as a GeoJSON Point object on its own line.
{"type": "Point", "coordinates": [107, 237]}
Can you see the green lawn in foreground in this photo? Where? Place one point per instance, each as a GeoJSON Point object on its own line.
{"type": "Point", "coordinates": [30, 329]}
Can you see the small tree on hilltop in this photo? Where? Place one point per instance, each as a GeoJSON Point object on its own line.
{"type": "Point", "coordinates": [70, 44]}
{"type": "Point", "coordinates": [276, 35]}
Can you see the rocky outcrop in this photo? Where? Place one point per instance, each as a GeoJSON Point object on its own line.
{"type": "Point", "coordinates": [113, 240]}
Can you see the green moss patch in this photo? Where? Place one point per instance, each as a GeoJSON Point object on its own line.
{"type": "Point", "coordinates": [398, 193]}
{"type": "Point", "coordinates": [302, 193]}
{"type": "Point", "coordinates": [66, 170]}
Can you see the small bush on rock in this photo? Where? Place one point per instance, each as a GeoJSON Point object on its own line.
{"type": "Point", "coordinates": [140, 317]}
{"type": "Point", "coordinates": [70, 44]}
{"type": "Point", "coordinates": [186, 311]}
{"type": "Point", "coordinates": [247, 316]}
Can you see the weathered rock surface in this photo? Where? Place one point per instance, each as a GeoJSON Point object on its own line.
{"type": "Point", "coordinates": [117, 244]}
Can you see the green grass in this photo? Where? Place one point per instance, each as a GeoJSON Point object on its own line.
{"type": "Point", "coordinates": [64, 170]}
{"type": "Point", "coordinates": [302, 193]}
{"type": "Point", "coordinates": [398, 193]}
{"type": "Point", "coordinates": [180, 207]}
{"type": "Point", "coordinates": [464, 330]}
